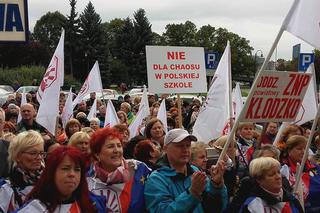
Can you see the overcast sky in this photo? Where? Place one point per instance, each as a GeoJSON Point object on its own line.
{"type": "Point", "coordinates": [258, 21]}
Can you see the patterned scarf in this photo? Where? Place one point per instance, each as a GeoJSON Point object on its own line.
{"type": "Point", "coordinates": [120, 175]}
{"type": "Point", "coordinates": [22, 178]}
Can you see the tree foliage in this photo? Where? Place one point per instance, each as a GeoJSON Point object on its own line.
{"type": "Point", "coordinates": [119, 45]}
{"type": "Point", "coordinates": [72, 35]}
{"type": "Point", "coordinates": [48, 29]}
{"type": "Point", "coordinates": [93, 44]}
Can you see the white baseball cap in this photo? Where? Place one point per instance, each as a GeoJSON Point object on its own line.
{"type": "Point", "coordinates": [177, 135]}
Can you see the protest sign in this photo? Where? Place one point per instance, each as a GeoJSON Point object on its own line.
{"type": "Point", "coordinates": [176, 69]}
{"type": "Point", "coordinates": [277, 97]}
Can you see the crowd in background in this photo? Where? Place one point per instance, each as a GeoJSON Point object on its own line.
{"type": "Point", "coordinates": [87, 167]}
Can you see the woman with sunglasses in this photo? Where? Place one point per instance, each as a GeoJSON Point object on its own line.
{"type": "Point", "coordinates": [26, 154]}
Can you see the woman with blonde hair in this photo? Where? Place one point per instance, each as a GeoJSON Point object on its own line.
{"type": "Point", "coordinates": [26, 154]}
{"type": "Point", "coordinates": [267, 192]}
{"type": "Point", "coordinates": [199, 155]}
{"type": "Point", "coordinates": [122, 117]}
{"type": "Point", "coordinates": [95, 124]}
{"type": "Point", "coordinates": [80, 140]}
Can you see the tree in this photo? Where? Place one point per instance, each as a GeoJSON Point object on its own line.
{"type": "Point", "coordinates": [72, 37]}
{"type": "Point", "coordinates": [48, 29]}
{"type": "Point", "coordinates": [181, 34]}
{"type": "Point", "coordinates": [206, 37]}
{"type": "Point", "coordinates": [93, 43]}
{"type": "Point", "coordinates": [112, 30]}
{"type": "Point", "coordinates": [143, 36]}
{"type": "Point", "coordinates": [32, 53]}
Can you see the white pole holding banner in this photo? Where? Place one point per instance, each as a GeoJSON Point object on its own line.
{"type": "Point", "coordinates": [230, 88]}
{"type": "Point", "coordinates": [306, 151]}
{"type": "Point", "coordinates": [274, 45]}
{"type": "Point", "coordinates": [235, 126]}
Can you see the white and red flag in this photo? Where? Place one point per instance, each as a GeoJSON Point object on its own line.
{"type": "Point", "coordinates": [50, 89]}
{"type": "Point", "coordinates": [56, 65]}
{"type": "Point", "coordinates": [214, 115]}
{"type": "Point", "coordinates": [92, 84]}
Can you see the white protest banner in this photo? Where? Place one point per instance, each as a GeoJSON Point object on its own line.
{"type": "Point", "coordinates": [162, 115]}
{"type": "Point", "coordinates": [176, 69]}
{"type": "Point", "coordinates": [213, 118]}
{"type": "Point", "coordinates": [277, 97]}
{"type": "Point", "coordinates": [111, 117]}
{"type": "Point", "coordinates": [67, 112]}
{"type": "Point", "coordinates": [93, 111]}
{"type": "Point", "coordinates": [56, 65]}
{"type": "Point", "coordinates": [303, 21]}
{"type": "Point", "coordinates": [92, 83]}
{"type": "Point", "coordinates": [237, 101]}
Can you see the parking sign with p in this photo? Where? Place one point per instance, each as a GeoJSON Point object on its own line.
{"type": "Point", "coordinates": [305, 59]}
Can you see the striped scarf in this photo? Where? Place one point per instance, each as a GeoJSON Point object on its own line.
{"type": "Point", "coordinates": [120, 175]}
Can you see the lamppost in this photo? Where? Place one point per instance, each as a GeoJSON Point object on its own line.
{"type": "Point", "coordinates": [255, 59]}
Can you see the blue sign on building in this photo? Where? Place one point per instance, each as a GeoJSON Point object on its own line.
{"type": "Point", "coordinates": [305, 59]}
{"type": "Point", "coordinates": [212, 60]}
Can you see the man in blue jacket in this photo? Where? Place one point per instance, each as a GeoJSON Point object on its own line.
{"type": "Point", "coordinates": [177, 186]}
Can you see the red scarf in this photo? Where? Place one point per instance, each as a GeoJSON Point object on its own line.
{"type": "Point", "coordinates": [305, 178]}
{"type": "Point", "coordinates": [120, 175]}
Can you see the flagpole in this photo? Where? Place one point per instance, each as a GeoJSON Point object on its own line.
{"type": "Point", "coordinates": [255, 82]}
{"type": "Point", "coordinates": [306, 151]}
{"type": "Point", "coordinates": [230, 87]}
{"type": "Point", "coordinates": [179, 110]}
{"type": "Point", "coordinates": [56, 128]}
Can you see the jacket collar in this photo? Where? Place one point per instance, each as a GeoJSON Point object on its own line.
{"type": "Point", "coordinates": [167, 170]}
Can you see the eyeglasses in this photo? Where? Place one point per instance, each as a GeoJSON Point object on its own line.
{"type": "Point", "coordinates": [35, 154]}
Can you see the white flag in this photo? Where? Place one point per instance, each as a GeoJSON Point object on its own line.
{"type": "Point", "coordinates": [145, 102]}
{"type": "Point", "coordinates": [93, 110]}
{"type": "Point", "coordinates": [91, 84]}
{"type": "Point", "coordinates": [50, 86]}
{"type": "Point", "coordinates": [214, 114]}
{"type": "Point", "coordinates": [23, 102]}
{"type": "Point", "coordinates": [303, 21]}
{"type": "Point", "coordinates": [56, 64]}
{"type": "Point", "coordinates": [309, 106]}
{"type": "Point", "coordinates": [111, 117]}
{"type": "Point", "coordinates": [67, 112]}
{"type": "Point", "coordinates": [162, 115]}
{"type": "Point", "coordinates": [135, 126]}
{"type": "Point", "coordinates": [237, 102]}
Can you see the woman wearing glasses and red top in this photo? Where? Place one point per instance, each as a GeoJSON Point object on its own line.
{"type": "Point", "coordinates": [26, 163]}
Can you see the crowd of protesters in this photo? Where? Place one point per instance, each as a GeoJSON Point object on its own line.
{"type": "Point", "coordinates": [87, 167]}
